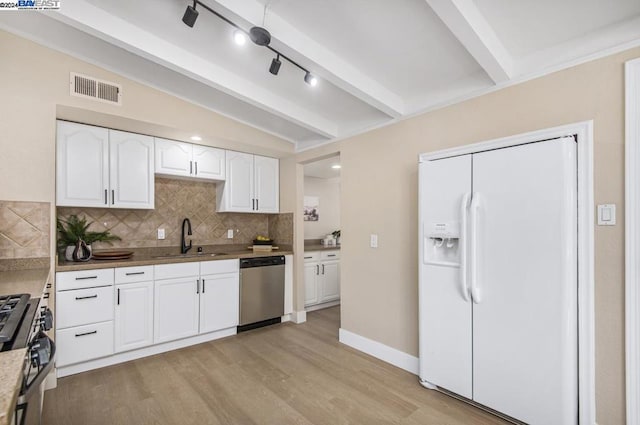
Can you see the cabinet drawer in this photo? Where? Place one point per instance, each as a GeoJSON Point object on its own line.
{"type": "Point", "coordinates": [172, 271]}
{"type": "Point", "coordinates": [310, 257]}
{"type": "Point", "coordinates": [82, 343]}
{"type": "Point", "coordinates": [133, 274]}
{"type": "Point", "coordinates": [83, 279]}
{"type": "Point", "coordinates": [330, 255]}
{"type": "Point", "coordinates": [84, 306]}
{"type": "Point", "coordinates": [222, 266]}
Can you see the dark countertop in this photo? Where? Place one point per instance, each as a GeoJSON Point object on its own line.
{"type": "Point", "coordinates": [318, 247]}
{"type": "Point", "coordinates": [154, 256]}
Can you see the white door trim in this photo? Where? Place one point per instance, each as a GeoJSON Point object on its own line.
{"type": "Point", "coordinates": [586, 309]}
{"type": "Point", "coordinates": [632, 240]}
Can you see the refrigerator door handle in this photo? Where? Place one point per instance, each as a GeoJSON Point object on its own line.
{"type": "Point", "coordinates": [475, 290]}
{"type": "Point", "coordinates": [462, 243]}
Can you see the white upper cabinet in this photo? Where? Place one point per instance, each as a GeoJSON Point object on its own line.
{"type": "Point", "coordinates": [173, 158]}
{"type": "Point", "coordinates": [252, 184]}
{"type": "Point", "coordinates": [98, 167]}
{"type": "Point", "coordinates": [82, 165]}
{"type": "Point", "coordinates": [209, 163]}
{"type": "Point", "coordinates": [187, 160]}
{"type": "Point", "coordinates": [131, 177]}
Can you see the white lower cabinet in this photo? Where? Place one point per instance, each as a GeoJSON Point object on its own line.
{"type": "Point", "coordinates": [219, 302]}
{"type": "Point", "coordinates": [176, 309]}
{"type": "Point", "coordinates": [82, 343]}
{"type": "Point", "coordinates": [133, 316]}
{"type": "Point", "coordinates": [321, 277]}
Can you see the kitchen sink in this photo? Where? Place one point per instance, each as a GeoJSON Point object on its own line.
{"type": "Point", "coordinates": [194, 255]}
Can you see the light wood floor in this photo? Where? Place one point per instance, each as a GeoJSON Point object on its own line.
{"type": "Point", "coordinates": [283, 374]}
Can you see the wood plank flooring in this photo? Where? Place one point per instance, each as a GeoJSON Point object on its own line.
{"type": "Point", "coordinates": [283, 374]}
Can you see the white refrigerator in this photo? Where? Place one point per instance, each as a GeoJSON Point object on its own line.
{"type": "Point", "coordinates": [498, 279]}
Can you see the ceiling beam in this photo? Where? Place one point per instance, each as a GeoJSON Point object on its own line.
{"type": "Point", "coordinates": [327, 64]}
{"type": "Point", "coordinates": [465, 21]}
{"type": "Point", "coordinates": [97, 22]}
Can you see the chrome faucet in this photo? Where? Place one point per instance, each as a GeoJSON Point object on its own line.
{"type": "Point", "coordinates": [184, 247]}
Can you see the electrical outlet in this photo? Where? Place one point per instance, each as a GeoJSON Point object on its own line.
{"type": "Point", "coordinates": [374, 241]}
{"type": "Point", "coordinates": [230, 234]}
{"type": "Point", "coordinates": [160, 233]}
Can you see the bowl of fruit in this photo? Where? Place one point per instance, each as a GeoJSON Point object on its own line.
{"type": "Point", "coordinates": [262, 240]}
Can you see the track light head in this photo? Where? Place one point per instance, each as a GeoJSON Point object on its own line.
{"type": "Point", "coordinates": [275, 65]}
{"type": "Point", "coordinates": [310, 79]}
{"type": "Point", "coordinates": [190, 16]}
{"type": "Point", "coordinates": [239, 37]}
{"type": "Point", "coordinates": [260, 36]}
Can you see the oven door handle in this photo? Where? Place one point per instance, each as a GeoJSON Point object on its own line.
{"type": "Point", "coordinates": [29, 388]}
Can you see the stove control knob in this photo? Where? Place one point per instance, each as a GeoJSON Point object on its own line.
{"type": "Point", "coordinates": [40, 352]}
{"type": "Point", "coordinates": [46, 319]}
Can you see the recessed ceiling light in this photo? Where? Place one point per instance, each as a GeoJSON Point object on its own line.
{"type": "Point", "coordinates": [239, 37]}
{"type": "Point", "coordinates": [336, 166]}
{"type": "Point", "coordinates": [196, 138]}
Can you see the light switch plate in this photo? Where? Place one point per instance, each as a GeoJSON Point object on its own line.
{"type": "Point", "coordinates": [374, 241]}
{"type": "Point", "coordinates": [607, 215]}
{"type": "Point", "coordinates": [160, 233]}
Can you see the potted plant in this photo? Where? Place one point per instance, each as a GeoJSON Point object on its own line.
{"type": "Point", "coordinates": [74, 231]}
{"type": "Point", "coordinates": [336, 236]}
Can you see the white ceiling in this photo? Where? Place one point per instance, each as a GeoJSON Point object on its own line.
{"type": "Point", "coordinates": [378, 60]}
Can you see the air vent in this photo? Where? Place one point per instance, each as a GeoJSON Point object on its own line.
{"type": "Point", "coordinates": [93, 88]}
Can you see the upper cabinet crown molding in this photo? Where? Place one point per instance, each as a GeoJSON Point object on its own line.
{"type": "Point", "coordinates": [188, 160]}
{"type": "Point", "coordinates": [252, 184]}
{"type": "Point", "coordinates": [98, 167]}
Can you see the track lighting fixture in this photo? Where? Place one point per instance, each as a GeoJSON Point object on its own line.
{"type": "Point", "coordinates": [310, 79]}
{"type": "Point", "coordinates": [275, 65]}
{"type": "Point", "coordinates": [259, 35]}
{"type": "Point", "coordinates": [190, 15]}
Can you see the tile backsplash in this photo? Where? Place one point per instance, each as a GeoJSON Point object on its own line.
{"type": "Point", "coordinates": [24, 229]}
{"type": "Point", "coordinates": [175, 200]}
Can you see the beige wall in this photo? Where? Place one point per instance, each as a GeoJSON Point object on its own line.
{"type": "Point", "coordinates": [328, 193]}
{"type": "Point", "coordinates": [379, 175]}
{"type": "Point", "coordinates": [34, 90]}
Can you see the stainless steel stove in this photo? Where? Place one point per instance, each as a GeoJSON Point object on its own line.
{"type": "Point", "coordinates": [23, 323]}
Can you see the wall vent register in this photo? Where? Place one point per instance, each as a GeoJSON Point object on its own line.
{"type": "Point", "coordinates": [94, 88]}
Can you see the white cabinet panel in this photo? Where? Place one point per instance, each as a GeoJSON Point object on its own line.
{"type": "Point", "coordinates": [267, 184]}
{"type": "Point", "coordinates": [173, 158]}
{"type": "Point", "coordinates": [238, 188]}
{"type": "Point", "coordinates": [219, 301]}
{"type": "Point", "coordinates": [219, 266]}
{"type": "Point", "coordinates": [82, 343]}
{"type": "Point", "coordinates": [330, 276]}
{"type": "Point", "coordinates": [175, 309]}
{"type": "Point", "coordinates": [132, 170]}
{"type": "Point", "coordinates": [133, 274]}
{"type": "Point", "coordinates": [209, 163]}
{"type": "Point", "coordinates": [82, 165]}
{"type": "Point", "coordinates": [83, 279]}
{"type": "Point", "coordinates": [176, 270]}
{"type": "Point", "coordinates": [83, 306]}
{"type": "Point", "coordinates": [311, 272]}
{"type": "Point", "coordinates": [133, 316]}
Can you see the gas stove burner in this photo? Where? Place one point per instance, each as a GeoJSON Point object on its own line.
{"type": "Point", "coordinates": [12, 308]}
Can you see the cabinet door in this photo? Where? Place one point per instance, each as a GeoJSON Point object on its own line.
{"type": "Point", "coordinates": [238, 189]}
{"type": "Point", "coordinates": [267, 184]}
{"type": "Point", "coordinates": [175, 309]}
{"type": "Point", "coordinates": [82, 168]}
{"type": "Point", "coordinates": [208, 163]}
{"type": "Point", "coordinates": [311, 271]}
{"type": "Point", "coordinates": [132, 176]}
{"type": "Point", "coordinates": [134, 316]}
{"type": "Point", "coordinates": [330, 281]}
{"type": "Point", "coordinates": [219, 301]}
{"type": "Point", "coordinates": [173, 158]}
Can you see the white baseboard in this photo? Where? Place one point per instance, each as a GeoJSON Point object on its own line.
{"type": "Point", "coordinates": [380, 351]}
{"type": "Point", "coordinates": [321, 306]}
{"type": "Point", "coordinates": [143, 352]}
{"type": "Point", "coordinates": [298, 317]}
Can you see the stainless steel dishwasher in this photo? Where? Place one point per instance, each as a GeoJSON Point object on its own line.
{"type": "Point", "coordinates": [261, 291]}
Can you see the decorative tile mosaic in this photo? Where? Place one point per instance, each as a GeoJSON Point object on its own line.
{"type": "Point", "coordinates": [175, 200]}
{"type": "Point", "coordinates": [24, 229]}
{"type": "Point", "coordinates": [281, 228]}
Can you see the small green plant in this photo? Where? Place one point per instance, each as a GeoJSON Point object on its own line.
{"type": "Point", "coordinates": [74, 228]}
